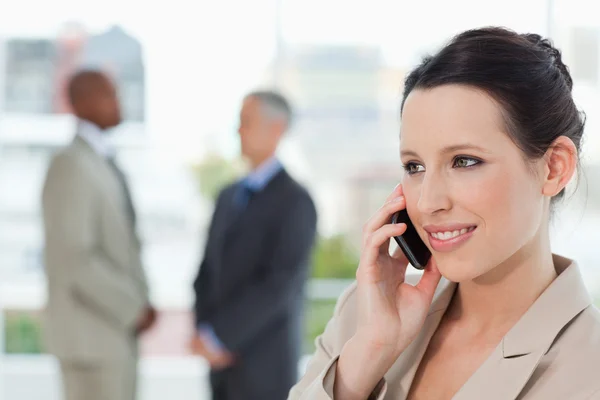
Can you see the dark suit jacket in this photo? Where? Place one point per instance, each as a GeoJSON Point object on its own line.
{"type": "Point", "coordinates": [250, 285]}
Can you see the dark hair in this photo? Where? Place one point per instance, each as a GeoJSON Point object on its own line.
{"type": "Point", "coordinates": [524, 73]}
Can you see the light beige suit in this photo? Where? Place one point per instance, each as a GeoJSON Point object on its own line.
{"type": "Point", "coordinates": [96, 284]}
{"type": "Point", "coordinates": [553, 352]}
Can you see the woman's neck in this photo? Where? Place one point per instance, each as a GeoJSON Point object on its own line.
{"type": "Point", "coordinates": [499, 298]}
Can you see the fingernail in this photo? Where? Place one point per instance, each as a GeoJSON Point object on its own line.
{"type": "Point", "coordinates": [399, 198]}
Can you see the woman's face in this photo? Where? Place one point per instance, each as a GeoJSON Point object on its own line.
{"type": "Point", "coordinates": [473, 198]}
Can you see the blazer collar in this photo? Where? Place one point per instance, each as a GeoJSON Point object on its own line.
{"type": "Point", "coordinates": [507, 370]}
{"type": "Point", "coordinates": [95, 138]}
{"type": "Point", "coordinates": [81, 144]}
{"type": "Point", "coordinates": [562, 301]}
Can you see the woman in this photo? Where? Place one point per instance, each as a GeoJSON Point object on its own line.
{"type": "Point", "coordinates": [489, 139]}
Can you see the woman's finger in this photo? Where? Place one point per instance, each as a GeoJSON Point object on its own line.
{"type": "Point", "coordinates": [397, 192]}
{"type": "Point", "coordinates": [376, 241]}
{"type": "Point", "coordinates": [383, 215]}
{"type": "Point", "coordinates": [430, 280]}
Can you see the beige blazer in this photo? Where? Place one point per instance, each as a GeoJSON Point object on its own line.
{"type": "Point", "coordinates": [553, 352]}
{"type": "Point", "coordinates": [96, 285]}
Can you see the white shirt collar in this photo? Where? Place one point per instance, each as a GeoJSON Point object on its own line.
{"type": "Point", "coordinates": [95, 138]}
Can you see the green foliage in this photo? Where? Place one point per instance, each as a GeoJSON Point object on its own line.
{"type": "Point", "coordinates": [214, 172]}
{"type": "Point", "coordinates": [334, 258]}
{"type": "Point", "coordinates": [23, 334]}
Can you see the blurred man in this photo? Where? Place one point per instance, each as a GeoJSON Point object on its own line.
{"type": "Point", "coordinates": [97, 292]}
{"type": "Point", "coordinates": [249, 290]}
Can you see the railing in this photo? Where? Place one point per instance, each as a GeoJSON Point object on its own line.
{"type": "Point", "coordinates": [29, 377]}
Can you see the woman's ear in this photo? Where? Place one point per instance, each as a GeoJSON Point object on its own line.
{"type": "Point", "coordinates": [560, 164]}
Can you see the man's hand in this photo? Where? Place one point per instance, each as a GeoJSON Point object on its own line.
{"type": "Point", "coordinates": [218, 359]}
{"type": "Point", "coordinates": [146, 320]}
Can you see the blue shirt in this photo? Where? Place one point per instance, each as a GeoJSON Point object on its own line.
{"type": "Point", "coordinates": [261, 176]}
{"type": "Point", "coordinates": [255, 181]}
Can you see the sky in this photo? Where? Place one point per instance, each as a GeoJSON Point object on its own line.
{"type": "Point", "coordinates": [381, 22]}
{"type": "Point", "coordinates": [202, 54]}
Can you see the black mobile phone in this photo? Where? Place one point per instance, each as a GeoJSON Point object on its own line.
{"type": "Point", "coordinates": [410, 242]}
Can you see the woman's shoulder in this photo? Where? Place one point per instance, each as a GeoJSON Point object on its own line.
{"type": "Point", "coordinates": [583, 333]}
{"type": "Point", "coordinates": [345, 316]}
{"type": "Point", "coordinates": [570, 366]}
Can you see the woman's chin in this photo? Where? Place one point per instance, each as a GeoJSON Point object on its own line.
{"type": "Point", "coordinates": [459, 271]}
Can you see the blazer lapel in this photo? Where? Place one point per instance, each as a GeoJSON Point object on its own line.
{"type": "Point", "coordinates": [106, 177]}
{"type": "Point", "coordinates": [224, 219]}
{"type": "Point", "coordinates": [230, 222]}
{"type": "Point", "coordinates": [500, 378]}
{"type": "Point", "coordinates": [240, 220]}
{"type": "Point", "coordinates": [506, 372]}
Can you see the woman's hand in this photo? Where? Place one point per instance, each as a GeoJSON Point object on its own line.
{"type": "Point", "coordinates": [390, 311]}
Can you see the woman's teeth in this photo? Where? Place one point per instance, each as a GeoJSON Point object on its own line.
{"type": "Point", "coordinates": [451, 234]}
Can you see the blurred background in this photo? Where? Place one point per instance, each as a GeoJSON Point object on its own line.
{"type": "Point", "coordinates": [183, 68]}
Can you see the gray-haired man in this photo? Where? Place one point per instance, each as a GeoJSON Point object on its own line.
{"type": "Point", "coordinates": [249, 290]}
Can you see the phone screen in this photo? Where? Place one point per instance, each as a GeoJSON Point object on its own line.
{"type": "Point", "coordinates": [410, 242]}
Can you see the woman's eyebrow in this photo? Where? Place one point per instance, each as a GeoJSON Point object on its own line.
{"type": "Point", "coordinates": [448, 149]}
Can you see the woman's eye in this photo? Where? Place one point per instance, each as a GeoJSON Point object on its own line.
{"type": "Point", "coordinates": [413, 168]}
{"type": "Point", "coordinates": [464, 162]}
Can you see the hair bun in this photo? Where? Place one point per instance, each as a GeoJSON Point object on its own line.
{"type": "Point", "coordinates": [554, 53]}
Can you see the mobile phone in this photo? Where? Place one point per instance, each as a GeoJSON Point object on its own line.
{"type": "Point", "coordinates": [410, 242]}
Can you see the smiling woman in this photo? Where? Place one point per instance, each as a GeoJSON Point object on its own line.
{"type": "Point", "coordinates": [491, 187]}
{"type": "Point", "coordinates": [490, 138]}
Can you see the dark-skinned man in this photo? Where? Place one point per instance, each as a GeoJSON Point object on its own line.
{"type": "Point", "coordinates": [97, 291]}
